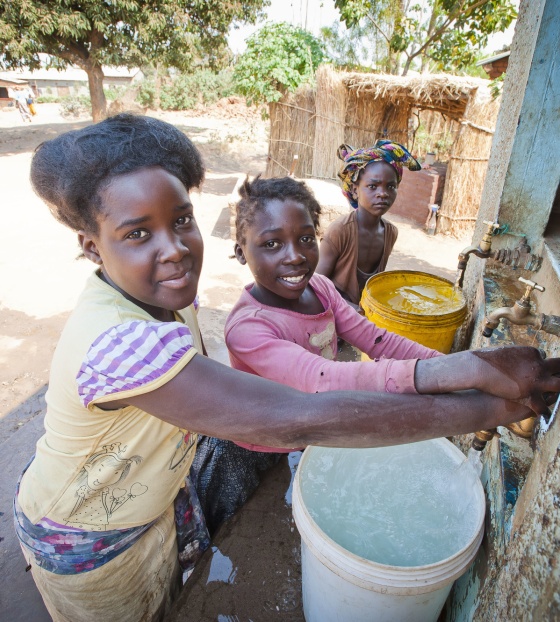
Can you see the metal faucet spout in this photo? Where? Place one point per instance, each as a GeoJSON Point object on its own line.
{"type": "Point", "coordinates": [523, 429]}
{"type": "Point", "coordinates": [520, 314]}
{"type": "Point", "coordinates": [517, 314]}
{"type": "Point", "coordinates": [482, 250]}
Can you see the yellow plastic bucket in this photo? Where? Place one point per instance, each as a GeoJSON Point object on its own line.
{"type": "Point", "coordinates": [420, 306]}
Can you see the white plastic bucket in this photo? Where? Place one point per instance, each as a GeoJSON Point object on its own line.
{"type": "Point", "coordinates": [340, 586]}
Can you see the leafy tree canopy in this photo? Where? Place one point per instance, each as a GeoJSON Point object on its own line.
{"type": "Point", "coordinates": [93, 33]}
{"type": "Point", "coordinates": [447, 32]}
{"type": "Point", "coordinates": [352, 49]}
{"type": "Point", "coordinates": [279, 57]}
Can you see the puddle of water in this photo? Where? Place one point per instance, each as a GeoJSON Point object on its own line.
{"type": "Point", "coordinates": [221, 569]}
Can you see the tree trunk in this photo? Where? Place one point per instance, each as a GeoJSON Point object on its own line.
{"type": "Point", "coordinates": [97, 94]}
{"type": "Point", "coordinates": [406, 66]}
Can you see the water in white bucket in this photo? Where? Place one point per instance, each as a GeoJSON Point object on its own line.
{"type": "Point", "coordinates": [403, 506]}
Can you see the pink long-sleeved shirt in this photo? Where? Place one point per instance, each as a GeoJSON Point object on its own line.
{"type": "Point", "coordinates": [300, 350]}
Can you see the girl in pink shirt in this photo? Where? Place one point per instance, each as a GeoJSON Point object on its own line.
{"type": "Point", "coordinates": [286, 324]}
{"type": "Point", "coordinates": [285, 327]}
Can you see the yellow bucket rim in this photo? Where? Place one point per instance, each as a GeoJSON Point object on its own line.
{"type": "Point", "coordinates": [399, 316]}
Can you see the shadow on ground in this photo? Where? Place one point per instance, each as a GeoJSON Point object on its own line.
{"type": "Point", "coordinates": [14, 141]}
{"type": "Point", "coordinates": [221, 186]}
{"type": "Point", "coordinates": [19, 599]}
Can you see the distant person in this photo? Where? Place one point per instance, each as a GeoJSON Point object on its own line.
{"type": "Point", "coordinates": [30, 99]}
{"type": "Point", "coordinates": [357, 245]}
{"type": "Point", "coordinates": [21, 104]}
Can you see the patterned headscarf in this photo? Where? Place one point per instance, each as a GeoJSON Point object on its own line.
{"type": "Point", "coordinates": [355, 160]}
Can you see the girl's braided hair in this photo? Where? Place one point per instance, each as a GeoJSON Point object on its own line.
{"type": "Point", "coordinates": [255, 195]}
{"type": "Point", "coordinates": [68, 172]}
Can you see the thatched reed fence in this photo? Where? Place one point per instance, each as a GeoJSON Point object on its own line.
{"type": "Point", "coordinates": [457, 116]}
{"type": "Point", "coordinates": [468, 162]}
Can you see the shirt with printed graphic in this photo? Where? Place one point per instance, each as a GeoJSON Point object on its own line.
{"type": "Point", "coordinates": [97, 469]}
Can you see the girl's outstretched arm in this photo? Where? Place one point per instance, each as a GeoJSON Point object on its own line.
{"type": "Point", "coordinates": [511, 372]}
{"type": "Point", "coordinates": [213, 399]}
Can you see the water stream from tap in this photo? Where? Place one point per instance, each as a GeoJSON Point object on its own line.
{"type": "Point", "coordinates": [458, 275]}
{"type": "Point", "coordinates": [474, 460]}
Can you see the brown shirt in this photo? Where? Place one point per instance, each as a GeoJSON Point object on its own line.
{"type": "Point", "coordinates": [342, 237]}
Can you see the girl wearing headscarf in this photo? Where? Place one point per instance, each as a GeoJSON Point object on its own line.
{"type": "Point", "coordinates": [357, 245]}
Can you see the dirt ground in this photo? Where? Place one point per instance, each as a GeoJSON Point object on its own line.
{"type": "Point", "coordinates": [40, 279]}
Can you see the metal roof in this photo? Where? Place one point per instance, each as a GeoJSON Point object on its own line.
{"type": "Point", "coordinates": [492, 59]}
{"type": "Point", "coordinates": [73, 74]}
{"type": "Point", "coordinates": [9, 77]}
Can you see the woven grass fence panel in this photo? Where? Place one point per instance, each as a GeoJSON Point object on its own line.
{"type": "Point", "coordinates": [292, 135]}
{"type": "Point", "coordinates": [435, 132]}
{"type": "Point", "coordinates": [371, 118]}
{"type": "Point", "coordinates": [329, 124]}
{"type": "Point", "coordinates": [467, 166]}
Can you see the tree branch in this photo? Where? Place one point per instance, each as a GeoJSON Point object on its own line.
{"type": "Point", "coordinates": [450, 19]}
{"type": "Point", "coordinates": [378, 28]}
{"type": "Point", "coordinates": [74, 53]}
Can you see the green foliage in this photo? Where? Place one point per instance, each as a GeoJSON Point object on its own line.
{"type": "Point", "coordinates": [376, 24]}
{"type": "Point", "coordinates": [47, 99]}
{"type": "Point", "coordinates": [146, 93]}
{"type": "Point", "coordinates": [445, 33]}
{"type": "Point", "coordinates": [75, 106]}
{"type": "Point", "coordinates": [185, 91]}
{"type": "Point", "coordinates": [120, 32]}
{"type": "Point", "coordinates": [350, 49]}
{"type": "Point", "coordinates": [114, 92]}
{"type": "Point", "coordinates": [279, 58]}
{"type": "Point", "coordinates": [130, 33]}
{"type": "Point", "coordinates": [424, 143]}
{"type": "Point", "coordinates": [475, 70]}
{"type": "Point", "coordinates": [497, 85]}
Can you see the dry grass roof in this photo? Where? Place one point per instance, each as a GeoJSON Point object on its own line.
{"type": "Point", "coordinates": [445, 93]}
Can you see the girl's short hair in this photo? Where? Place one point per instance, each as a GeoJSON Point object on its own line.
{"type": "Point", "coordinates": [255, 195]}
{"type": "Point", "coordinates": [68, 172]}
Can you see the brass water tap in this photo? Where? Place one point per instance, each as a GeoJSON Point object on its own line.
{"type": "Point", "coordinates": [523, 429]}
{"type": "Point", "coordinates": [520, 313]}
{"type": "Point", "coordinates": [482, 250]}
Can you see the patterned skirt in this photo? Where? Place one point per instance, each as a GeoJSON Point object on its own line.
{"type": "Point", "coordinates": [225, 476]}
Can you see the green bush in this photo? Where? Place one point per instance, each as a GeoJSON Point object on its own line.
{"type": "Point", "coordinates": [184, 91]}
{"type": "Point", "coordinates": [48, 99]}
{"type": "Point", "coordinates": [113, 92]}
{"type": "Point", "coordinates": [497, 85]}
{"type": "Point", "coordinates": [75, 106]}
{"type": "Point", "coordinates": [146, 93]}
{"type": "Point", "coordinates": [279, 58]}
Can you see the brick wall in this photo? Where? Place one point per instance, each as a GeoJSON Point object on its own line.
{"type": "Point", "coordinates": [497, 68]}
{"type": "Point", "coordinates": [417, 191]}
